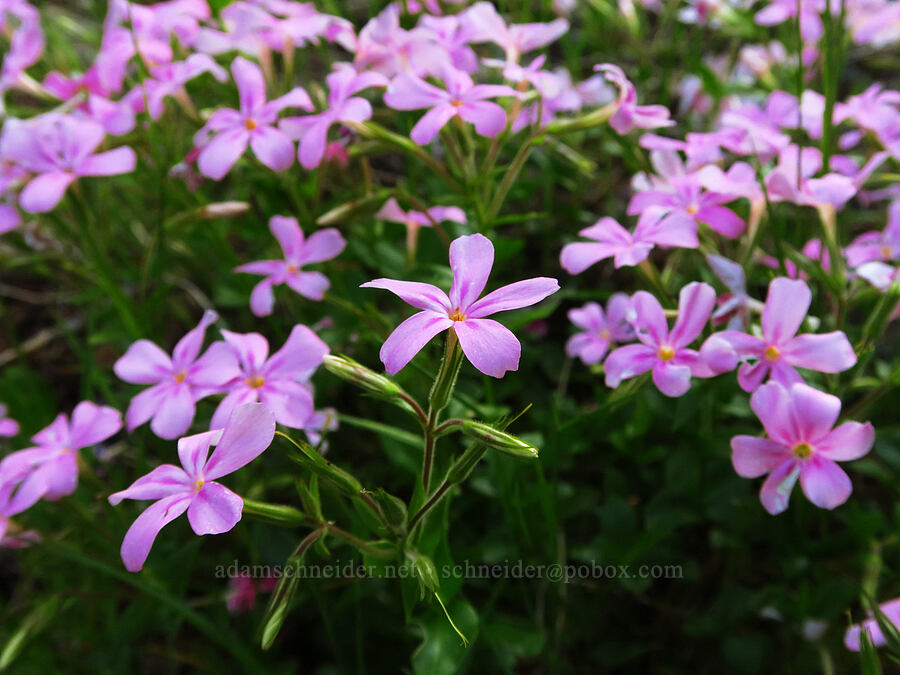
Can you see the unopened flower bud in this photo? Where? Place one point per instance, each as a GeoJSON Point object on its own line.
{"type": "Point", "coordinates": [499, 440]}
{"type": "Point", "coordinates": [223, 209]}
{"type": "Point", "coordinates": [348, 369]}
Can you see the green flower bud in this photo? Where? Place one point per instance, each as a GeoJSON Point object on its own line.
{"type": "Point", "coordinates": [499, 440]}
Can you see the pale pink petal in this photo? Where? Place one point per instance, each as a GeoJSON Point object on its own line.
{"type": "Point", "coordinates": [143, 363]}
{"type": "Point", "coordinates": [814, 411]}
{"type": "Point", "coordinates": [188, 347]}
{"type": "Point", "coordinates": [290, 402]}
{"type": "Point", "coordinates": [490, 346]}
{"type": "Point", "coordinates": [322, 245]}
{"type": "Point", "coordinates": [627, 362]}
{"type": "Point", "coordinates": [142, 533]}
{"type": "Point", "coordinates": [824, 483]}
{"type": "Point", "coordinates": [249, 431]}
{"type": "Point", "coordinates": [489, 118]}
{"type": "Point", "coordinates": [695, 304]}
{"type": "Point", "coordinates": [514, 296]}
{"type": "Point", "coordinates": [220, 154]}
{"type": "Point", "coordinates": [146, 404]}
{"type": "Point", "coordinates": [272, 148]}
{"type": "Point", "coordinates": [786, 306]}
{"type": "Point", "coordinates": [252, 349]}
{"type": "Point", "coordinates": [111, 163]}
{"type": "Point", "coordinates": [193, 451]}
{"type": "Point", "coordinates": [216, 368]}
{"type": "Point", "coordinates": [776, 490]}
{"type": "Point", "coordinates": [251, 85]}
{"type": "Point", "coordinates": [312, 285]}
{"type": "Point", "coordinates": [723, 220]}
{"type": "Point", "coordinates": [772, 405]}
{"type": "Point", "coordinates": [175, 413]}
{"type": "Point", "coordinates": [312, 144]}
{"type": "Point", "coordinates": [648, 319]}
{"type": "Point", "coordinates": [827, 353]}
{"type": "Point", "coordinates": [214, 510]}
{"type": "Point", "coordinates": [471, 260]}
{"type": "Point", "coordinates": [163, 481]}
{"type": "Point", "coordinates": [409, 337]}
{"type": "Point", "coordinates": [92, 424]}
{"type": "Point", "coordinates": [432, 122]}
{"type": "Point", "coordinates": [262, 299]}
{"type": "Point", "coordinates": [672, 379]}
{"type": "Point", "coordinates": [849, 441]}
{"type": "Point", "coordinates": [577, 257]}
{"type": "Point", "coordinates": [301, 354]}
{"type": "Point", "coordinates": [419, 295]}
{"type": "Point", "coordinates": [289, 235]}
{"type": "Point", "coordinates": [753, 457]}
{"type": "Point", "coordinates": [45, 191]}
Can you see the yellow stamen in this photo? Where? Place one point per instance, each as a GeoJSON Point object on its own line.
{"type": "Point", "coordinates": [605, 334]}
{"type": "Point", "coordinates": [692, 209]}
{"type": "Point", "coordinates": [199, 484]}
{"type": "Point", "coordinates": [250, 124]}
{"type": "Point", "coordinates": [886, 251]}
{"type": "Point", "coordinates": [803, 451]}
{"type": "Point", "coordinates": [256, 381]}
{"type": "Point", "coordinates": [292, 269]}
{"type": "Point", "coordinates": [772, 353]}
{"type": "Point", "coordinates": [666, 353]}
{"type": "Point", "coordinates": [456, 103]}
{"type": "Point", "coordinates": [180, 376]}
{"type": "Point", "coordinates": [457, 315]}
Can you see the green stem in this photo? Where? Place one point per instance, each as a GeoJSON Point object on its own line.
{"type": "Point", "coordinates": [509, 178]}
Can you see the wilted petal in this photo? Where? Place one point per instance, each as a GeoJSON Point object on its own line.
{"type": "Point", "coordinates": [786, 307]}
{"type": "Point", "coordinates": [824, 483]}
{"type": "Point", "coordinates": [409, 337]}
{"type": "Point", "coordinates": [490, 346]}
{"type": "Point", "coordinates": [142, 533]}
{"type": "Point", "coordinates": [249, 431]}
{"type": "Point", "coordinates": [753, 457]}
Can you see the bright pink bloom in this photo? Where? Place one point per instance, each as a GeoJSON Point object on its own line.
{"type": "Point", "coordinates": [169, 80]}
{"type": "Point", "coordinates": [280, 382]}
{"type": "Point", "coordinates": [802, 444]}
{"type": "Point", "coordinates": [853, 636]}
{"type": "Point", "coordinates": [253, 125]}
{"type": "Point", "coordinates": [211, 507]}
{"type": "Point", "coordinates": [662, 351]}
{"type": "Point", "coordinates": [343, 107]}
{"type": "Point", "coordinates": [178, 382]}
{"type": "Point", "coordinates": [486, 25]}
{"type": "Point", "coordinates": [780, 349]}
{"type": "Point", "coordinates": [490, 346]}
{"type": "Point", "coordinates": [462, 97]}
{"type": "Point", "coordinates": [599, 330]}
{"type": "Point", "coordinates": [59, 149]}
{"type": "Point", "coordinates": [629, 114]}
{"type": "Point", "coordinates": [8, 426]}
{"type": "Point", "coordinates": [627, 249]}
{"type": "Point", "coordinates": [391, 211]}
{"type": "Point", "coordinates": [50, 470]}
{"type": "Point", "coordinates": [385, 47]}
{"type": "Point", "coordinates": [322, 245]}
{"type": "Point", "coordinates": [877, 246]}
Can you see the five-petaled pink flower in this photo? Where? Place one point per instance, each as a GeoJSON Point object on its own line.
{"type": "Point", "coordinates": [59, 149]}
{"type": "Point", "coordinates": [278, 381]}
{"type": "Point", "coordinates": [662, 351]}
{"type": "Point", "coordinates": [391, 211]}
{"type": "Point", "coordinates": [599, 329]}
{"type": "Point", "coordinates": [253, 125]}
{"type": "Point", "coordinates": [50, 470]}
{"type": "Point", "coordinates": [628, 113]}
{"type": "Point", "coordinates": [780, 349]}
{"type": "Point", "coordinates": [489, 345]}
{"type": "Point", "coordinates": [178, 382]}
{"type": "Point", "coordinates": [462, 97]}
{"type": "Point", "coordinates": [802, 444]}
{"type": "Point", "coordinates": [211, 507]}
{"type": "Point", "coordinates": [322, 245]}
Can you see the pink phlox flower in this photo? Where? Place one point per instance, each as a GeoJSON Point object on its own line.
{"type": "Point", "coordinates": [253, 125]}
{"type": "Point", "coordinates": [169, 80]}
{"type": "Point", "coordinates": [611, 240]}
{"type": "Point", "coordinates": [178, 382]}
{"type": "Point", "coordinates": [598, 329]}
{"type": "Point", "coordinates": [26, 41]}
{"type": "Point", "coordinates": [462, 97]}
{"type": "Point", "coordinates": [779, 11]}
{"type": "Point", "coordinates": [211, 507]}
{"type": "Point", "coordinates": [343, 108]}
{"type": "Point", "coordinates": [59, 149]}
{"type": "Point", "coordinates": [751, 131]}
{"type": "Point", "coordinates": [298, 251]}
{"type": "Point", "coordinates": [880, 246]}
{"type": "Point", "coordinates": [629, 114]}
{"type": "Point", "coordinates": [489, 346]}
{"type": "Point", "coordinates": [318, 425]}
{"type": "Point", "coordinates": [453, 35]}
{"type": "Point", "coordinates": [661, 351]}
{"type": "Point", "coordinates": [853, 636]}
{"type": "Point", "coordinates": [681, 195]}
{"type": "Point", "coordinates": [486, 25]}
{"type": "Point", "coordinates": [50, 469]}
{"type": "Point", "coordinates": [280, 381]}
{"type": "Point", "coordinates": [385, 47]}
{"type": "Point", "coordinates": [780, 350]}
{"type": "Point", "coordinates": [392, 212]}
{"type": "Point", "coordinates": [802, 443]}
{"type": "Point", "coordinates": [8, 426]}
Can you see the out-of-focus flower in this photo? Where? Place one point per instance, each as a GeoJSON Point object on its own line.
{"type": "Point", "coordinates": [779, 11]}
{"type": "Point", "coordinates": [253, 125]}
{"type": "Point", "coordinates": [462, 98]}
{"type": "Point", "coordinates": [26, 42]}
{"type": "Point", "coordinates": [392, 212]}
{"type": "Point", "coordinates": [880, 246]}
{"type": "Point", "coordinates": [598, 329]}
{"type": "Point", "coordinates": [298, 251]}
{"type": "Point", "coordinates": [279, 381]}
{"type": "Point", "coordinates": [169, 80]}
{"type": "Point", "coordinates": [853, 636]}
{"type": "Point", "coordinates": [489, 346]}
{"type": "Point", "coordinates": [780, 349]}
{"type": "Point", "coordinates": [734, 307]}
{"type": "Point", "coordinates": [487, 25]}
{"type": "Point", "coordinates": [211, 507]}
{"type": "Point", "coordinates": [178, 381]}
{"type": "Point", "coordinates": [318, 425]}
{"type": "Point", "coordinates": [50, 470]}
{"type": "Point", "coordinates": [343, 107]}
{"type": "Point", "coordinates": [59, 149]}
{"type": "Point", "coordinates": [8, 426]}
{"type": "Point", "coordinates": [611, 240]}
{"type": "Point", "coordinates": [665, 353]}
{"type": "Point", "coordinates": [801, 443]}
{"type": "Point", "coordinates": [629, 114]}
{"type": "Point", "coordinates": [241, 595]}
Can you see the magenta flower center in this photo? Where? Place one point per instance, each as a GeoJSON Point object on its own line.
{"type": "Point", "coordinates": [255, 381]}
{"type": "Point", "coordinates": [666, 353]}
{"type": "Point", "coordinates": [772, 353]}
{"type": "Point", "coordinates": [802, 451]}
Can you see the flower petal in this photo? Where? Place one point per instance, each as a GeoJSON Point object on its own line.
{"type": "Point", "coordinates": [301, 354]}
{"type": "Point", "coordinates": [695, 304]}
{"type": "Point", "coordinates": [143, 363]}
{"type": "Point", "coordinates": [290, 402]}
{"type": "Point", "coordinates": [490, 346]}
{"type": "Point", "coordinates": [648, 319]}
{"type": "Point", "coordinates": [672, 379]}
{"type": "Point", "coordinates": [92, 423]}
{"type": "Point", "coordinates": [849, 441]}
{"type": "Point", "coordinates": [175, 414]}
{"type": "Point", "coordinates": [775, 493]}
{"type": "Point", "coordinates": [220, 154]}
{"type": "Point", "coordinates": [814, 412]}
{"type": "Point", "coordinates": [142, 533]}
{"type": "Point", "coordinates": [214, 510]}
{"type": "Point", "coordinates": [249, 431]}
{"type": "Point", "coordinates": [272, 147]}
{"type": "Point", "coordinates": [419, 295]}
{"type": "Point", "coordinates": [471, 260]}
{"type": "Point", "coordinates": [824, 483]}
{"type": "Point", "coordinates": [827, 353]}
{"type": "Point", "coordinates": [310, 285]}
{"type": "Point", "coordinates": [45, 191]}
{"type": "Point", "coordinates": [786, 307]}
{"type": "Point", "coordinates": [753, 457]}
{"type": "Point", "coordinates": [188, 347]}
{"type": "Point", "coordinates": [626, 362]}
{"type": "Point", "coordinates": [513, 296]}
{"type": "Point", "coordinates": [409, 337]}
{"type": "Point", "coordinates": [322, 245]}
{"type": "Point", "coordinates": [163, 481]}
